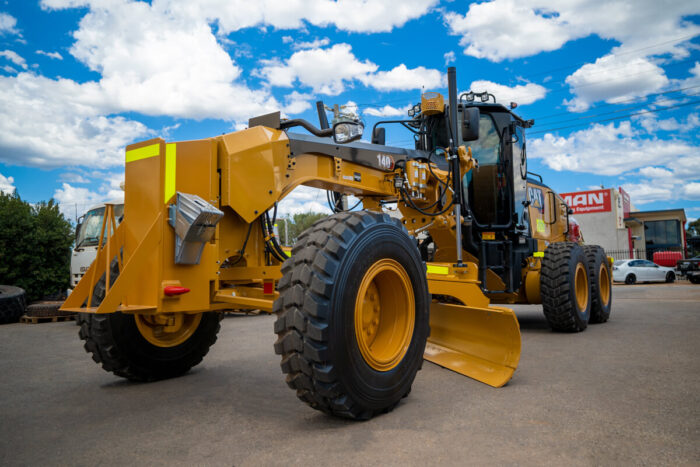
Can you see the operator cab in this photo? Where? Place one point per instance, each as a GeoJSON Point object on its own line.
{"type": "Point", "coordinates": [496, 228]}
{"type": "Point", "coordinates": [496, 189]}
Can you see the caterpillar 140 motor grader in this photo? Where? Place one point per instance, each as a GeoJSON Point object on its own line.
{"type": "Point", "coordinates": [364, 296]}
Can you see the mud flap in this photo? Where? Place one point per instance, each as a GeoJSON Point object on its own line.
{"type": "Point", "coordinates": [482, 343]}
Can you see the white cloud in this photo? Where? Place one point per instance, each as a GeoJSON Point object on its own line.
{"type": "Point", "coordinates": [330, 70]}
{"type": "Point", "coordinates": [642, 29]}
{"type": "Point", "coordinates": [12, 56]}
{"type": "Point", "coordinates": [180, 70]}
{"type": "Point", "coordinates": [150, 61]}
{"type": "Point", "coordinates": [449, 57]}
{"type": "Point", "coordinates": [303, 199]}
{"type": "Point", "coordinates": [691, 81]}
{"type": "Point", "coordinates": [643, 193]}
{"type": "Point", "coordinates": [7, 24]}
{"type": "Point", "coordinates": [296, 103]}
{"type": "Point", "coordinates": [326, 71]}
{"type": "Point", "coordinates": [652, 124]}
{"type": "Point", "coordinates": [72, 177]}
{"type": "Point", "coordinates": [348, 15]}
{"type": "Point", "coordinates": [72, 198]}
{"type": "Point", "coordinates": [527, 27]}
{"type": "Point", "coordinates": [607, 150]}
{"type": "Point", "coordinates": [522, 94]}
{"type": "Point", "coordinates": [614, 79]}
{"type": "Point", "coordinates": [387, 111]}
{"type": "Point", "coordinates": [403, 79]}
{"type": "Point", "coordinates": [520, 31]}
{"type": "Point", "coordinates": [54, 55]}
{"type": "Point", "coordinates": [9, 69]}
{"type": "Point", "coordinates": [60, 122]}
{"type": "Point", "coordinates": [315, 44]}
{"type": "Point", "coordinates": [7, 184]}
{"type": "Point", "coordinates": [692, 191]}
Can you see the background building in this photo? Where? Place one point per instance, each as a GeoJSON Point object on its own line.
{"type": "Point", "coordinates": [608, 218]}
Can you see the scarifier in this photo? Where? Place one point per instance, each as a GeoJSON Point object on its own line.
{"type": "Point", "coordinates": [364, 296]}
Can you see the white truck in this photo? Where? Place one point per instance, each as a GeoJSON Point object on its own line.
{"type": "Point", "coordinates": [87, 234]}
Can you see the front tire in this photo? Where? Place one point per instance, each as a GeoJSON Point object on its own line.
{"type": "Point", "coordinates": [630, 279]}
{"type": "Point", "coordinates": [670, 277]}
{"type": "Point", "coordinates": [352, 315]}
{"type": "Point", "coordinates": [601, 283]}
{"type": "Point", "coordinates": [566, 287]}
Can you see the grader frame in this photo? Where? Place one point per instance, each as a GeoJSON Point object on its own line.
{"type": "Point", "coordinates": [234, 262]}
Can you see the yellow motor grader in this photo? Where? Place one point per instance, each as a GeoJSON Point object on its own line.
{"type": "Point", "coordinates": [364, 296]}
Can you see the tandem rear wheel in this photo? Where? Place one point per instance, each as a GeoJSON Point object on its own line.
{"type": "Point", "coordinates": [352, 315]}
{"type": "Point", "coordinates": [565, 284]}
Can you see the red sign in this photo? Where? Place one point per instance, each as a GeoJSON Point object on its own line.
{"type": "Point", "coordinates": [626, 203]}
{"type": "Point", "coordinates": [587, 202]}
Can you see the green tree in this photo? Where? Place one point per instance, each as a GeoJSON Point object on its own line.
{"type": "Point", "coordinates": [35, 245]}
{"type": "Point", "coordinates": [297, 224]}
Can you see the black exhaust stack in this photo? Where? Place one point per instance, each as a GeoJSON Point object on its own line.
{"type": "Point", "coordinates": [322, 117]}
{"type": "Point", "coordinates": [454, 160]}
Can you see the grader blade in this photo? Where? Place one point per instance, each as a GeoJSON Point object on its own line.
{"type": "Point", "coordinates": [482, 343]}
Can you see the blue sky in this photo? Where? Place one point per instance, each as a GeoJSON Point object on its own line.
{"type": "Point", "coordinates": [614, 86]}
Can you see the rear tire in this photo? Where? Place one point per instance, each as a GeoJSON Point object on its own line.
{"type": "Point", "coordinates": [630, 279]}
{"type": "Point", "coordinates": [601, 283]}
{"type": "Point", "coordinates": [328, 362]}
{"type": "Point", "coordinates": [694, 279]}
{"type": "Point", "coordinates": [115, 341]}
{"type": "Point", "coordinates": [13, 302]}
{"type": "Point", "coordinates": [670, 277]}
{"type": "Point", "coordinates": [566, 287]}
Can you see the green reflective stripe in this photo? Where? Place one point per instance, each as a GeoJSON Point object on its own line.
{"type": "Point", "coordinates": [170, 153]}
{"type": "Point", "coordinates": [538, 254]}
{"type": "Point", "coordinates": [432, 269]}
{"type": "Point", "coordinates": [143, 153]}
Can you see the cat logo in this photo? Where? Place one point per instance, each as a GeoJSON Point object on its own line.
{"type": "Point", "coordinates": [385, 161]}
{"type": "Point", "coordinates": [536, 198]}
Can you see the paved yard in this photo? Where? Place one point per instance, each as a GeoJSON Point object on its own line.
{"type": "Point", "coordinates": [624, 392]}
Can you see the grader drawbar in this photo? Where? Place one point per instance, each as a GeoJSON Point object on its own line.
{"type": "Point", "coordinates": [361, 293]}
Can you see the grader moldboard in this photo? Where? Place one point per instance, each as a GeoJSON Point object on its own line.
{"type": "Point", "coordinates": [364, 296]}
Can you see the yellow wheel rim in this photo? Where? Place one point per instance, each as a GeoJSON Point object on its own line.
{"type": "Point", "coordinates": [385, 314]}
{"type": "Point", "coordinates": [604, 285]}
{"type": "Point", "coordinates": [581, 287]}
{"type": "Point", "coordinates": [168, 329]}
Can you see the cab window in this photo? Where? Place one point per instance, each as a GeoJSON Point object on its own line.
{"type": "Point", "coordinates": [487, 148]}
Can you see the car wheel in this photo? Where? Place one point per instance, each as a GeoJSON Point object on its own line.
{"type": "Point", "coordinates": [630, 279]}
{"type": "Point", "coordinates": [670, 277]}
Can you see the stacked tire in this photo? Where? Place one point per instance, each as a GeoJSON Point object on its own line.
{"type": "Point", "coordinates": [13, 302]}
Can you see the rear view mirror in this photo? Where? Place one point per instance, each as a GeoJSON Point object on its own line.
{"type": "Point", "coordinates": [470, 124]}
{"type": "Point", "coordinates": [379, 136]}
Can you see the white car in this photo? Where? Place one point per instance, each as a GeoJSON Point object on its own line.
{"type": "Point", "coordinates": [630, 271]}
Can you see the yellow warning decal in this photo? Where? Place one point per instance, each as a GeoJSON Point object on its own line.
{"type": "Point", "coordinates": [143, 153]}
{"type": "Point", "coordinates": [540, 225]}
{"type": "Point", "coordinates": [170, 157]}
{"type": "Point", "coordinates": [538, 254]}
{"type": "Point", "coordinates": [433, 269]}
{"type": "Point", "coordinates": [488, 235]}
